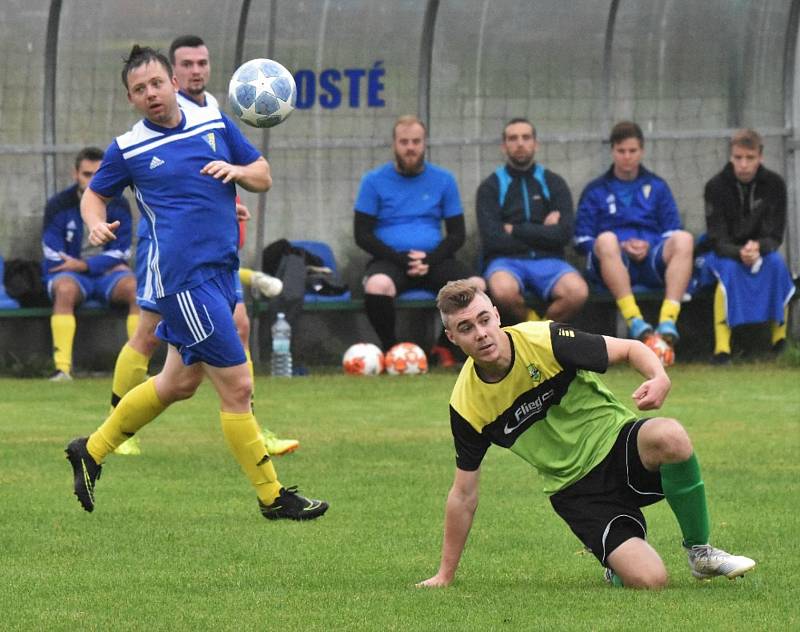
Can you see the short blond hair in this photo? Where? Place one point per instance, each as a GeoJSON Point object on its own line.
{"type": "Point", "coordinates": [408, 119]}
{"type": "Point", "coordinates": [455, 296]}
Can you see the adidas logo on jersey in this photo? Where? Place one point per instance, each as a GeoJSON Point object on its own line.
{"type": "Point", "coordinates": [156, 162]}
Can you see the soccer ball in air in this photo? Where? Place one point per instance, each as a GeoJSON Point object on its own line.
{"type": "Point", "coordinates": [405, 358]}
{"type": "Point", "coordinates": [661, 348]}
{"type": "Point", "coordinates": [363, 358]}
{"type": "Point", "coordinates": [262, 93]}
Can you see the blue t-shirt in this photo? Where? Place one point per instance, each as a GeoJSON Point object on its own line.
{"type": "Point", "coordinates": [62, 231]}
{"type": "Point", "coordinates": [191, 217]}
{"type": "Point", "coordinates": [409, 209]}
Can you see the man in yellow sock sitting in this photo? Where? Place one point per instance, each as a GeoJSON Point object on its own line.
{"type": "Point", "coordinates": [191, 219]}
{"type": "Point", "coordinates": [70, 279]}
{"type": "Point", "coordinates": [629, 228]}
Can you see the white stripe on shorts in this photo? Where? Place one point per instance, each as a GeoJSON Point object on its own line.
{"type": "Point", "coordinates": [608, 528]}
{"type": "Point", "coordinates": [190, 316]}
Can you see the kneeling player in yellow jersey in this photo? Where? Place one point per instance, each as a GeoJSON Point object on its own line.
{"type": "Point", "coordinates": [533, 388]}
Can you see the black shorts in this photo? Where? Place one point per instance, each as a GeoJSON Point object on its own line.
{"type": "Point", "coordinates": [438, 274]}
{"type": "Point", "coordinates": [603, 508]}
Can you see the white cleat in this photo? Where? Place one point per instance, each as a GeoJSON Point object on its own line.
{"type": "Point", "coordinates": [266, 285]}
{"type": "Point", "coordinates": [707, 562]}
{"type": "Point", "coordinates": [60, 376]}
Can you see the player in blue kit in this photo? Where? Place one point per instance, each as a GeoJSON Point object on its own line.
{"type": "Point", "coordinates": [192, 67]}
{"type": "Point", "coordinates": [629, 228]}
{"type": "Point", "coordinates": [72, 279]}
{"type": "Point", "coordinates": [183, 167]}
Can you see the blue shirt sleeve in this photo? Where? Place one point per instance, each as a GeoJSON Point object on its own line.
{"type": "Point", "coordinates": [368, 200]}
{"type": "Point", "coordinates": [242, 150]}
{"type": "Point", "coordinates": [586, 221]}
{"type": "Point", "coordinates": [669, 219]}
{"type": "Point", "coordinates": [53, 237]}
{"type": "Point", "coordinates": [451, 199]}
{"type": "Point", "coordinates": [113, 176]}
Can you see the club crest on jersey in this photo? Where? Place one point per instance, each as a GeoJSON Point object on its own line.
{"type": "Point", "coordinates": [536, 376]}
{"type": "Point", "coordinates": [211, 140]}
{"type": "Point", "coordinates": [646, 190]}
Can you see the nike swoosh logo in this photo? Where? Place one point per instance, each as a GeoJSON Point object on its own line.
{"type": "Point", "coordinates": [87, 481]}
{"type": "Point", "coordinates": [508, 430]}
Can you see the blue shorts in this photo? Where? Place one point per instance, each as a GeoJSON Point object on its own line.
{"type": "Point", "coordinates": [199, 323]}
{"type": "Point", "coordinates": [98, 288]}
{"type": "Point", "coordinates": [145, 288]}
{"type": "Point", "coordinates": [533, 275]}
{"type": "Point", "coordinates": [649, 272]}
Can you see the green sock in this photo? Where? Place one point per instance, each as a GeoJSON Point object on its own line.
{"type": "Point", "coordinates": [686, 494]}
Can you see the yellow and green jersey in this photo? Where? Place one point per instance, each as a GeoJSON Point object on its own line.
{"type": "Point", "coordinates": [550, 409]}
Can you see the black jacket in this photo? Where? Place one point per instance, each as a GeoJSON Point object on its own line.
{"type": "Point", "coordinates": [736, 213]}
{"type": "Point", "coordinates": [529, 237]}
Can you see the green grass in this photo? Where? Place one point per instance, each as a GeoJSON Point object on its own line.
{"type": "Point", "coordinates": [176, 541]}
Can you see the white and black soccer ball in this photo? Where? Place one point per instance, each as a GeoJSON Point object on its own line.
{"type": "Point", "coordinates": [262, 93]}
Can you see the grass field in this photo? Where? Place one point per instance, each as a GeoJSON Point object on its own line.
{"type": "Point", "coordinates": [176, 541]}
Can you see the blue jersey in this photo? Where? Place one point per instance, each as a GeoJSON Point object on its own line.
{"type": "Point", "coordinates": [186, 103]}
{"type": "Point", "coordinates": [63, 232]}
{"type": "Point", "coordinates": [641, 209]}
{"type": "Point", "coordinates": [409, 209]}
{"type": "Point", "coordinates": [190, 217]}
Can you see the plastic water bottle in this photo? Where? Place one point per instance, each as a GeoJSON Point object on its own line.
{"type": "Point", "coordinates": [281, 347]}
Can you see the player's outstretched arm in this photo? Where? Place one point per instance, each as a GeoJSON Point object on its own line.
{"type": "Point", "coordinates": [653, 391]}
{"type": "Point", "coordinates": [93, 212]}
{"type": "Point", "coordinates": [462, 501]}
{"type": "Point", "coordinates": [255, 177]}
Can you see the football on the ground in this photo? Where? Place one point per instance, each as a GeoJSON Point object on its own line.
{"type": "Point", "coordinates": [405, 358]}
{"type": "Point", "coordinates": [262, 93]}
{"type": "Point", "coordinates": [662, 349]}
{"type": "Point", "coordinates": [363, 358]}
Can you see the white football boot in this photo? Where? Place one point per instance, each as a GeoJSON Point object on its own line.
{"type": "Point", "coordinates": [707, 562]}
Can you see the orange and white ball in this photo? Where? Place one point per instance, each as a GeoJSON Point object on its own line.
{"type": "Point", "coordinates": [405, 358]}
{"type": "Point", "coordinates": [363, 358]}
{"type": "Point", "coordinates": [662, 349]}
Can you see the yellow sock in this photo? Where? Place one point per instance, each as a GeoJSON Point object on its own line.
{"type": "Point", "coordinates": [246, 276]}
{"type": "Point", "coordinates": [63, 329]}
{"type": "Point", "coordinates": [250, 368]}
{"type": "Point", "coordinates": [131, 323]}
{"type": "Point", "coordinates": [779, 329]}
{"type": "Point", "coordinates": [628, 308]}
{"type": "Point", "coordinates": [136, 409]}
{"type": "Point", "coordinates": [244, 440]}
{"type": "Point", "coordinates": [130, 370]}
{"type": "Point", "coordinates": [722, 333]}
{"type": "Point", "coordinates": [532, 315]}
{"type": "Point", "coordinates": [669, 311]}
